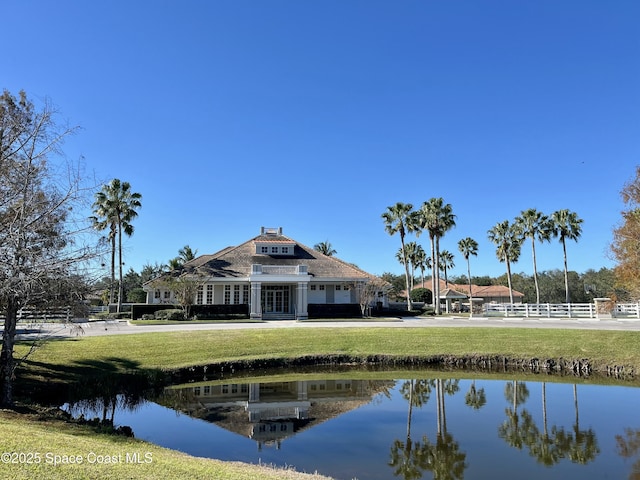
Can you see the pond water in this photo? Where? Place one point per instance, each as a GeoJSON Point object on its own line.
{"type": "Point", "coordinates": [397, 428]}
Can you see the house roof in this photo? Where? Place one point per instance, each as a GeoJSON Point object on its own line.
{"type": "Point", "coordinates": [477, 291]}
{"type": "Point", "coordinates": [237, 261]}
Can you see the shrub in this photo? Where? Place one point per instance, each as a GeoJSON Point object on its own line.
{"type": "Point", "coordinates": [169, 314]}
{"type": "Point", "coordinates": [148, 316]}
{"type": "Point", "coordinates": [421, 295]}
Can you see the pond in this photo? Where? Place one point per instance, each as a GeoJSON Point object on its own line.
{"type": "Point", "coordinates": [408, 428]}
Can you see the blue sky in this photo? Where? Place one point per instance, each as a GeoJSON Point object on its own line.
{"type": "Point", "coordinates": [316, 116]}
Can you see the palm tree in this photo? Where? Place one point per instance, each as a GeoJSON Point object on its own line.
{"type": "Point", "coordinates": [411, 250]}
{"type": "Point", "coordinates": [115, 207]}
{"type": "Point", "coordinates": [325, 248]}
{"type": "Point", "coordinates": [566, 225]}
{"type": "Point", "coordinates": [536, 226]}
{"type": "Point", "coordinates": [508, 243]}
{"type": "Point", "coordinates": [185, 254]}
{"type": "Point", "coordinates": [468, 246]}
{"type": "Point", "coordinates": [422, 261]}
{"type": "Point", "coordinates": [437, 218]}
{"type": "Point", "coordinates": [475, 398]}
{"type": "Point", "coordinates": [446, 263]}
{"type": "Point", "coordinates": [400, 218]}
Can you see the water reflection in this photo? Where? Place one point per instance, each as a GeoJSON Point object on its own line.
{"type": "Point", "coordinates": [441, 428]}
{"type": "Point", "coordinates": [271, 412]}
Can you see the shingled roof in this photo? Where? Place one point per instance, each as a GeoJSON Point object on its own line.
{"type": "Point", "coordinates": [236, 262]}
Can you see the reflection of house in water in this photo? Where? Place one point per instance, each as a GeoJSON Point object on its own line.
{"type": "Point", "coordinates": [271, 412]}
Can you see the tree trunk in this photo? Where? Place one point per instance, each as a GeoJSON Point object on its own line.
{"type": "Point", "coordinates": [7, 362]}
{"type": "Point", "coordinates": [433, 272]}
{"type": "Point", "coordinates": [120, 289]}
{"type": "Point", "coordinates": [470, 293]}
{"type": "Point", "coordinates": [406, 274]}
{"type": "Point", "coordinates": [113, 270]}
{"type": "Point", "coordinates": [437, 270]}
{"type": "Point", "coordinates": [509, 280]}
{"type": "Point", "coordinates": [566, 272]}
{"type": "Point", "coordinates": [535, 270]}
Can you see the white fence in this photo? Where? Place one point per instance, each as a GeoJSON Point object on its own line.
{"type": "Point", "coordinates": [570, 310]}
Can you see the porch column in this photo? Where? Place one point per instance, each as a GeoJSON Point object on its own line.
{"type": "Point", "coordinates": [301, 307]}
{"type": "Point", "coordinates": [256, 301]}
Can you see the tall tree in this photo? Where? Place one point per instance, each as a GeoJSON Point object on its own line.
{"type": "Point", "coordinates": [437, 218]}
{"type": "Point", "coordinates": [508, 241]}
{"type": "Point", "coordinates": [411, 253]}
{"type": "Point", "coordinates": [400, 219]}
{"type": "Point", "coordinates": [446, 263]}
{"type": "Point", "coordinates": [625, 246]}
{"type": "Point", "coordinates": [422, 261]}
{"type": "Point", "coordinates": [467, 247]}
{"type": "Point", "coordinates": [115, 207]}
{"type": "Point", "coordinates": [185, 254]}
{"type": "Point", "coordinates": [566, 226]}
{"type": "Point", "coordinates": [536, 226]}
{"type": "Point", "coordinates": [325, 248]}
{"type": "Point", "coordinates": [40, 247]}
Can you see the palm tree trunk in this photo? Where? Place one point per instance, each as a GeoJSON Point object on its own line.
{"type": "Point", "coordinates": [470, 294]}
{"type": "Point", "coordinates": [113, 270]}
{"type": "Point", "coordinates": [433, 272]}
{"type": "Point", "coordinates": [406, 273]}
{"type": "Point", "coordinates": [566, 272]}
{"type": "Point", "coordinates": [535, 269]}
{"type": "Point", "coordinates": [509, 280]}
{"type": "Point", "coordinates": [120, 289]}
{"type": "Point", "coordinates": [437, 269]}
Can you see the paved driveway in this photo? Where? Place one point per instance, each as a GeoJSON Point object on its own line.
{"type": "Point", "coordinates": [122, 328]}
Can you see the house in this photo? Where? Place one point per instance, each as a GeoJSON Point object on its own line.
{"type": "Point", "coordinates": [272, 276]}
{"type": "Point", "coordinates": [453, 296]}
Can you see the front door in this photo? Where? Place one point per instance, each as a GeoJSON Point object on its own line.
{"type": "Point", "coordinates": [275, 299]}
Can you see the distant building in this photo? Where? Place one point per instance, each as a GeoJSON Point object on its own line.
{"type": "Point", "coordinates": [271, 276]}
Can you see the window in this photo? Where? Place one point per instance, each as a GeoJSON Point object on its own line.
{"type": "Point", "coordinates": [264, 250]}
{"type": "Point", "coordinates": [156, 294]}
{"type": "Point", "coordinates": [225, 388]}
{"type": "Point", "coordinates": [321, 288]}
{"type": "Point", "coordinates": [338, 287]}
{"type": "Point", "coordinates": [274, 249]}
{"type": "Point", "coordinates": [345, 288]}
{"type": "Point", "coordinates": [313, 288]}
{"type": "Point", "coordinates": [285, 250]}
{"type": "Point", "coordinates": [209, 294]}
{"type": "Point", "coordinates": [196, 391]}
{"type": "Point", "coordinates": [167, 294]}
{"type": "Point", "coordinates": [234, 388]}
{"type": "Point", "coordinates": [227, 294]}
{"type": "Point", "coordinates": [245, 294]}
{"type": "Point", "coordinates": [199, 296]}
{"type": "Point", "coordinates": [207, 390]}
{"type": "Point", "coordinates": [236, 294]}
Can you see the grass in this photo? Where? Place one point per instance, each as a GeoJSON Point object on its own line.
{"type": "Point", "coordinates": [47, 446]}
{"type": "Point", "coordinates": [74, 360]}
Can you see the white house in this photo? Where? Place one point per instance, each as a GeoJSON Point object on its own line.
{"type": "Point", "coordinates": [272, 276]}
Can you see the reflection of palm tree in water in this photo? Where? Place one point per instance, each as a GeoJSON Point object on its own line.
{"type": "Point", "coordinates": [411, 459]}
{"type": "Point", "coordinates": [445, 459]}
{"type": "Point", "coordinates": [584, 447]}
{"type": "Point", "coordinates": [552, 444]}
{"type": "Point", "coordinates": [513, 431]}
{"type": "Point", "coordinates": [475, 398]}
{"type": "Point", "coordinates": [408, 458]}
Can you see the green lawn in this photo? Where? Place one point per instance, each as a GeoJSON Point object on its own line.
{"type": "Point", "coordinates": [180, 349]}
{"type": "Point", "coordinates": [74, 360]}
